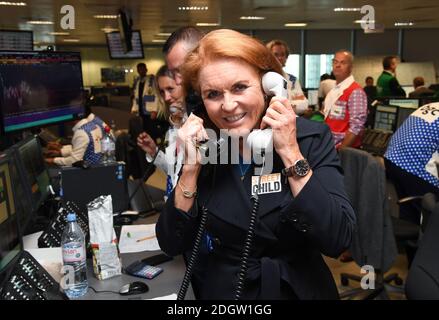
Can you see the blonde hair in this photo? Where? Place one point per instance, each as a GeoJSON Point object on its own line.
{"type": "Point", "coordinates": [227, 44]}
{"type": "Point", "coordinates": [278, 42]}
{"type": "Point", "coordinates": [163, 109]}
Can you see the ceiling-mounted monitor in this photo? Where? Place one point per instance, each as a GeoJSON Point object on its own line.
{"type": "Point", "coordinates": [16, 40]}
{"type": "Point", "coordinates": [116, 49]}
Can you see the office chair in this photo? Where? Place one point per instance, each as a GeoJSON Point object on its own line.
{"type": "Point", "coordinates": [423, 277]}
{"type": "Point", "coordinates": [373, 240]}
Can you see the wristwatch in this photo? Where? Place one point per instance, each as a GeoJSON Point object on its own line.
{"type": "Point", "coordinates": [300, 168]}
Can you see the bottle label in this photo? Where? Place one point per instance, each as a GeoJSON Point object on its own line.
{"type": "Point", "coordinates": [73, 252]}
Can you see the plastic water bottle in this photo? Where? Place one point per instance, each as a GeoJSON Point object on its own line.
{"type": "Point", "coordinates": [74, 255]}
{"type": "Point", "coordinates": [108, 146]}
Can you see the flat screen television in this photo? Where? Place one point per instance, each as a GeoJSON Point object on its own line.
{"type": "Point", "coordinates": [116, 47]}
{"type": "Point", "coordinates": [18, 40]}
{"type": "Point", "coordinates": [112, 75]}
{"type": "Point", "coordinates": [40, 88]}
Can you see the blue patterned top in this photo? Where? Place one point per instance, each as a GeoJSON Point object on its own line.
{"type": "Point", "coordinates": [414, 146]}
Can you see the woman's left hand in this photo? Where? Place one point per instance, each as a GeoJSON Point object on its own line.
{"type": "Point", "coordinates": [281, 118]}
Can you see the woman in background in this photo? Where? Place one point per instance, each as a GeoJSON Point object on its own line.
{"type": "Point", "coordinates": [172, 107]}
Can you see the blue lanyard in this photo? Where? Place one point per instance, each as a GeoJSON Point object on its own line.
{"type": "Point", "coordinates": [243, 168]}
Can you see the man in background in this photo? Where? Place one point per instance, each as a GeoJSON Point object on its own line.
{"type": "Point", "coordinates": [86, 144]}
{"type": "Point", "coordinates": [145, 102]}
{"type": "Point", "coordinates": [420, 89]}
{"type": "Point", "coordinates": [281, 51]}
{"type": "Point", "coordinates": [371, 92]}
{"type": "Point", "coordinates": [387, 84]}
{"type": "Point", "coordinates": [345, 106]}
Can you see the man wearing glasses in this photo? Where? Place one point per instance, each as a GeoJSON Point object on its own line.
{"type": "Point", "coordinates": [345, 106]}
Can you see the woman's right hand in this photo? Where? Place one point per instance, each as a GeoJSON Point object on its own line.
{"type": "Point", "coordinates": [147, 144]}
{"type": "Point", "coordinates": [189, 135]}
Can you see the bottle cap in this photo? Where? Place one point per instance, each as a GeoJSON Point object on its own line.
{"type": "Point", "coordinates": [107, 129]}
{"type": "Point", "coordinates": [71, 217]}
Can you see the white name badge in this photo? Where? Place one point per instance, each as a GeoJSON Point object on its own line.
{"type": "Point", "coordinates": [270, 183]}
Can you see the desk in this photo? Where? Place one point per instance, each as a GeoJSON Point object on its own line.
{"type": "Point", "coordinates": [166, 283]}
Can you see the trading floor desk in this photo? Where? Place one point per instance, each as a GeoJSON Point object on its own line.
{"type": "Point", "coordinates": [166, 283]}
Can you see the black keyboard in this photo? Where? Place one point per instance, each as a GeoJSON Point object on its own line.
{"type": "Point", "coordinates": [28, 280]}
{"type": "Point", "coordinates": [51, 236]}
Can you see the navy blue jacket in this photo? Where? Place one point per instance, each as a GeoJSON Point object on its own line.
{"type": "Point", "coordinates": [291, 233]}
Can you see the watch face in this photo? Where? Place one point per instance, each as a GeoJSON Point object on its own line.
{"type": "Point", "coordinates": [301, 168]}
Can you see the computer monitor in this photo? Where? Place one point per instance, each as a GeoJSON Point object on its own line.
{"type": "Point", "coordinates": [10, 240]}
{"type": "Point", "coordinates": [19, 40]}
{"type": "Point", "coordinates": [408, 89]}
{"type": "Point", "coordinates": [313, 97]}
{"type": "Point", "coordinates": [116, 47]}
{"type": "Point", "coordinates": [33, 170]}
{"type": "Point", "coordinates": [406, 103]}
{"type": "Point", "coordinates": [112, 75]}
{"type": "Point", "coordinates": [403, 114]}
{"type": "Point", "coordinates": [83, 186]}
{"type": "Point", "coordinates": [385, 118]}
{"type": "Point", "coordinates": [24, 205]}
{"type": "Point", "coordinates": [39, 88]}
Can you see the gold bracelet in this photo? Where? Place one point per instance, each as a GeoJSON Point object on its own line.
{"type": "Point", "coordinates": [186, 193]}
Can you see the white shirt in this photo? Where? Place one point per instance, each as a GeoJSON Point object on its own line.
{"type": "Point", "coordinates": [148, 90]}
{"type": "Point", "coordinates": [325, 87]}
{"type": "Point", "coordinates": [301, 105]}
{"type": "Point", "coordinates": [75, 152]}
{"type": "Point", "coordinates": [336, 93]}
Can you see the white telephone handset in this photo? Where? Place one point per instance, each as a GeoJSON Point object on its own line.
{"type": "Point", "coordinates": [273, 84]}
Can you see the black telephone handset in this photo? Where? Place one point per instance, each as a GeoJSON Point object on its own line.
{"type": "Point", "coordinates": [273, 84]}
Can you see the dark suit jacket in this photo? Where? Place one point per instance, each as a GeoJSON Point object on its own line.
{"type": "Point", "coordinates": [421, 92]}
{"type": "Point", "coordinates": [291, 233]}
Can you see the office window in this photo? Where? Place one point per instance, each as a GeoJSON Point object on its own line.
{"type": "Point", "coordinates": [293, 65]}
{"type": "Point", "coordinates": [316, 65]}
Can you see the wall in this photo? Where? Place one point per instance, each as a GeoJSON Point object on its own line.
{"type": "Point", "coordinates": [96, 57]}
{"type": "Point", "coordinates": [417, 46]}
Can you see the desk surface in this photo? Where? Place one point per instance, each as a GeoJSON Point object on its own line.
{"type": "Point", "coordinates": [166, 283]}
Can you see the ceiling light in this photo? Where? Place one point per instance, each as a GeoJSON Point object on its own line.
{"type": "Point", "coordinates": [39, 22]}
{"type": "Point", "coordinates": [404, 24]}
{"type": "Point", "coordinates": [346, 9]}
{"type": "Point", "coordinates": [295, 24]}
{"type": "Point", "coordinates": [193, 8]}
{"type": "Point", "coordinates": [58, 33]}
{"type": "Point", "coordinates": [252, 18]}
{"type": "Point", "coordinates": [108, 29]}
{"type": "Point", "coordinates": [164, 34]}
{"type": "Point", "coordinates": [159, 40]}
{"type": "Point", "coordinates": [17, 4]}
{"type": "Point", "coordinates": [207, 24]}
{"type": "Point", "coordinates": [364, 21]}
{"type": "Point", "coordinates": [105, 16]}
{"type": "Point", "coordinates": [71, 40]}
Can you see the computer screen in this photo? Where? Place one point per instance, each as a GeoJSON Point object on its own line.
{"type": "Point", "coordinates": [385, 118]}
{"type": "Point", "coordinates": [33, 168]}
{"type": "Point", "coordinates": [18, 40]}
{"type": "Point", "coordinates": [24, 205]}
{"type": "Point", "coordinates": [10, 241]}
{"type": "Point", "coordinates": [112, 75]}
{"type": "Point", "coordinates": [116, 48]}
{"type": "Point", "coordinates": [40, 88]}
{"type": "Point", "coordinates": [406, 103]}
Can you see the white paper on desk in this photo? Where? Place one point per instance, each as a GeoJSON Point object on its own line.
{"type": "Point", "coordinates": [169, 297]}
{"type": "Point", "coordinates": [129, 244]}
